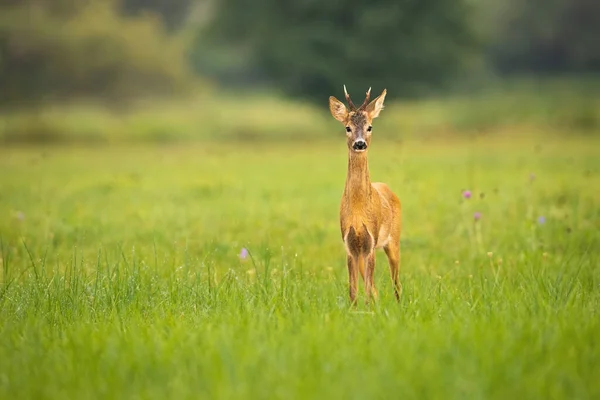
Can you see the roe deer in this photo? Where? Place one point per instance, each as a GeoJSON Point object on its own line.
{"type": "Point", "coordinates": [370, 213]}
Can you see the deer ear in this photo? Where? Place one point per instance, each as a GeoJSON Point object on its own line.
{"type": "Point", "coordinates": [375, 107]}
{"type": "Point", "coordinates": [338, 109]}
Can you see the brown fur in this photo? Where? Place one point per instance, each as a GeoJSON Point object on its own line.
{"type": "Point", "coordinates": [370, 213]}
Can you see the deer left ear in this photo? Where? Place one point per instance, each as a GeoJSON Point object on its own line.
{"type": "Point", "coordinates": [375, 107]}
{"type": "Point", "coordinates": [338, 109]}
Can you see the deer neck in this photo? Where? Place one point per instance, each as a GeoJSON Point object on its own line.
{"type": "Point", "coordinates": [358, 184]}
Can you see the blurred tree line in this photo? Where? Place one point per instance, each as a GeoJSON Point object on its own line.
{"type": "Point", "coordinates": [63, 49]}
{"type": "Point", "coordinates": [121, 49]}
{"type": "Point", "coordinates": [311, 47]}
{"type": "Point", "coordinates": [543, 36]}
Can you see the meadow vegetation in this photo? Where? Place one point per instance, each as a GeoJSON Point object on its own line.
{"type": "Point", "coordinates": [542, 106]}
{"type": "Point", "coordinates": [170, 181]}
{"type": "Point", "coordinates": [123, 271]}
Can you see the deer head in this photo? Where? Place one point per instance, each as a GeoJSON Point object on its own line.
{"type": "Point", "coordinates": [357, 121]}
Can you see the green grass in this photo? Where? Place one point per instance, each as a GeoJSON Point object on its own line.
{"type": "Point", "coordinates": [120, 275]}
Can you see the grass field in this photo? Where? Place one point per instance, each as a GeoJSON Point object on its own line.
{"type": "Point", "coordinates": [121, 274]}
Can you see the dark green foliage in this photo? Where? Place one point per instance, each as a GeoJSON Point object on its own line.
{"type": "Point", "coordinates": [310, 48]}
{"type": "Point", "coordinates": [117, 50]}
{"type": "Point", "coordinates": [172, 12]}
{"type": "Point", "coordinates": [555, 36]}
{"type": "Point", "coordinates": [57, 50]}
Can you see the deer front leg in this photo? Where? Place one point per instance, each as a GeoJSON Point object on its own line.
{"type": "Point", "coordinates": [369, 276]}
{"type": "Point", "coordinates": [352, 278]}
{"type": "Point", "coordinates": [361, 268]}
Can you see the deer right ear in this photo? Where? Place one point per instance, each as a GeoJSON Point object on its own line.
{"type": "Point", "coordinates": [375, 107]}
{"type": "Point", "coordinates": [338, 109]}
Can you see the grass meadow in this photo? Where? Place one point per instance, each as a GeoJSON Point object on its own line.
{"type": "Point", "coordinates": [121, 275]}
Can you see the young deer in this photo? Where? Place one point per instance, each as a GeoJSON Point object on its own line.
{"type": "Point", "coordinates": [370, 214]}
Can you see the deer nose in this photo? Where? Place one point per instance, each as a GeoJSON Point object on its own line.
{"type": "Point", "coordinates": [359, 145]}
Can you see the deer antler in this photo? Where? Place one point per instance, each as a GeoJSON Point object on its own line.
{"type": "Point", "coordinates": [352, 107]}
{"type": "Point", "coordinates": [364, 104]}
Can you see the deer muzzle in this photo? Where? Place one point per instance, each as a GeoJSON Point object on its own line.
{"type": "Point", "coordinates": [359, 145]}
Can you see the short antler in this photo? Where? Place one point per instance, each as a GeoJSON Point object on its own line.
{"type": "Point", "coordinates": [364, 104]}
{"type": "Point", "coordinates": [352, 107]}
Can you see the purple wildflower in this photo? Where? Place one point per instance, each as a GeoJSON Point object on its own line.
{"type": "Point", "coordinates": [531, 177]}
{"type": "Point", "coordinates": [244, 253]}
{"type": "Point", "coordinates": [467, 194]}
{"type": "Point", "coordinates": [20, 215]}
{"type": "Point", "coordinates": [477, 216]}
{"type": "Point", "coordinates": [541, 220]}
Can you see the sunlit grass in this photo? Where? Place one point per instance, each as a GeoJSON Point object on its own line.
{"type": "Point", "coordinates": [121, 274]}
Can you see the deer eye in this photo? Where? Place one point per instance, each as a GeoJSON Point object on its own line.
{"type": "Point", "coordinates": [370, 128]}
{"type": "Point", "coordinates": [348, 129]}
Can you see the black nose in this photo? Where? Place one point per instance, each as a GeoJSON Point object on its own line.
{"type": "Point", "coordinates": [359, 145]}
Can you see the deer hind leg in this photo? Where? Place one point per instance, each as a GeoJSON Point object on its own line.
{"type": "Point", "coordinates": [352, 278]}
{"type": "Point", "coordinates": [392, 250]}
{"type": "Point", "coordinates": [369, 276]}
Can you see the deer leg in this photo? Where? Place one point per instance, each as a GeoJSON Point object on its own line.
{"type": "Point", "coordinates": [352, 278]}
{"type": "Point", "coordinates": [361, 268]}
{"type": "Point", "coordinates": [369, 277]}
{"type": "Point", "coordinates": [392, 251]}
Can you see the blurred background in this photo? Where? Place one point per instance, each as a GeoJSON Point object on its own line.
{"type": "Point", "coordinates": [174, 70]}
